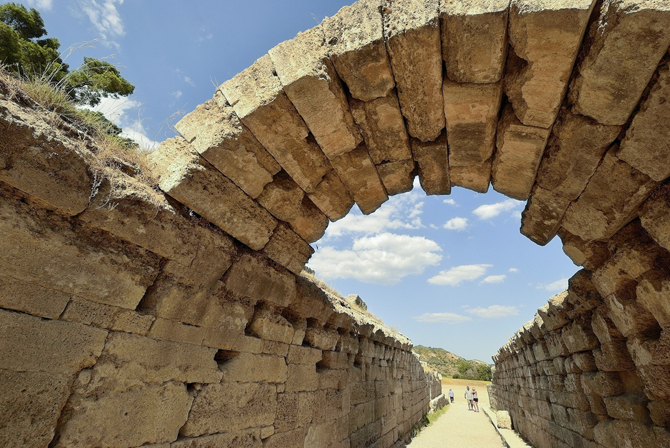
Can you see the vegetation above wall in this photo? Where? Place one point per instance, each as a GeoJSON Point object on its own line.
{"type": "Point", "coordinates": [452, 365]}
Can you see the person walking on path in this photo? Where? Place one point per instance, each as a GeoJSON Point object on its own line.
{"type": "Point", "coordinates": [468, 397]}
{"type": "Point", "coordinates": [451, 395]}
{"type": "Point", "coordinates": [475, 400]}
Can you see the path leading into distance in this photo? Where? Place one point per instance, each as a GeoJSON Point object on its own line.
{"type": "Point", "coordinates": [459, 427]}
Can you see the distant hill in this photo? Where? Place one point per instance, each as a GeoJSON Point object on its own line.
{"type": "Point", "coordinates": [451, 365]}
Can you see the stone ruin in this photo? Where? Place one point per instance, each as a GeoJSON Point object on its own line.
{"type": "Point", "coordinates": [177, 316]}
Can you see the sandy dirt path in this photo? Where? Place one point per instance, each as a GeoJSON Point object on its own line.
{"type": "Point", "coordinates": [459, 427]}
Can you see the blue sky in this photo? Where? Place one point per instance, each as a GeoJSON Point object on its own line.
{"type": "Point", "coordinates": [449, 271]}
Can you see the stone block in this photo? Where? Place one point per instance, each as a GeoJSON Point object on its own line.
{"type": "Point", "coordinates": [471, 112]}
{"type": "Point", "coordinates": [54, 253]}
{"type": "Point", "coordinates": [31, 344]}
{"type": "Point", "coordinates": [170, 330]}
{"type": "Point", "coordinates": [579, 337]}
{"type": "Point", "coordinates": [190, 179]}
{"type": "Point", "coordinates": [332, 197]}
{"type": "Point", "coordinates": [544, 42]}
{"type": "Point", "coordinates": [333, 379]}
{"type": "Point", "coordinates": [503, 420]}
{"type": "Point", "coordinates": [331, 404]}
{"type": "Point", "coordinates": [609, 200]}
{"type": "Point", "coordinates": [397, 177]}
{"type": "Point", "coordinates": [656, 381]}
{"type": "Point", "coordinates": [311, 301]}
{"type": "Point", "coordinates": [288, 249]}
{"type": "Point", "coordinates": [645, 146]}
{"type": "Point", "coordinates": [258, 100]}
{"type": "Point", "coordinates": [312, 85]}
{"type": "Point", "coordinates": [519, 151]}
{"type": "Point", "coordinates": [360, 177]}
{"type": "Point", "coordinates": [628, 316]}
{"type": "Point", "coordinates": [358, 51]}
{"type": "Point", "coordinates": [603, 384]}
{"type": "Point", "coordinates": [627, 407]}
{"type": "Point", "coordinates": [542, 216]}
{"type": "Point", "coordinates": [624, 433]}
{"type": "Point", "coordinates": [622, 50]}
{"type": "Point", "coordinates": [31, 405]}
{"type": "Point", "coordinates": [613, 357]}
{"type": "Point", "coordinates": [574, 150]}
{"type": "Point", "coordinates": [295, 437]}
{"type": "Point", "coordinates": [211, 411]}
{"type": "Point", "coordinates": [254, 278]}
{"type": "Point", "coordinates": [31, 298]}
{"type": "Point", "coordinates": [474, 40]}
{"type": "Point", "coordinates": [659, 412]}
{"type": "Point", "coordinates": [302, 377]}
{"type": "Point", "coordinates": [128, 357]}
{"type": "Point", "coordinates": [655, 216]}
{"type": "Point", "coordinates": [334, 360]}
{"type": "Point", "coordinates": [653, 293]}
{"type": "Point", "coordinates": [267, 324]}
{"type": "Point", "coordinates": [303, 355]}
{"type": "Point", "coordinates": [253, 368]}
{"type": "Point", "coordinates": [589, 254]}
{"type": "Point", "coordinates": [295, 410]}
{"type": "Point", "coordinates": [287, 202]}
{"type": "Point", "coordinates": [218, 135]}
{"type": "Point", "coordinates": [585, 362]}
{"type": "Point", "coordinates": [475, 178]}
{"type": "Point", "coordinates": [124, 418]}
{"type": "Point", "coordinates": [321, 338]}
{"type": "Point", "coordinates": [241, 439]}
{"type": "Point", "coordinates": [433, 163]}
{"type": "Point", "coordinates": [383, 128]}
{"type": "Point", "coordinates": [412, 32]}
{"type": "Point", "coordinates": [39, 159]}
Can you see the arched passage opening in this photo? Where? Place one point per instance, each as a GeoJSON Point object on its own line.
{"type": "Point", "coordinates": [191, 303]}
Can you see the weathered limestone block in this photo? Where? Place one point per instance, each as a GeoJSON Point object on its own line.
{"type": "Point", "coordinates": [321, 339]}
{"type": "Point", "coordinates": [544, 42]}
{"type": "Point", "coordinates": [358, 51]}
{"type": "Point", "coordinates": [134, 358]}
{"type": "Point", "coordinates": [310, 82]}
{"type": "Point", "coordinates": [311, 301]}
{"type": "Point", "coordinates": [474, 40]}
{"type": "Point", "coordinates": [585, 362]}
{"type": "Point", "coordinates": [40, 160]}
{"type": "Point", "coordinates": [575, 148]}
{"type": "Point", "coordinates": [433, 162]}
{"type": "Point", "coordinates": [603, 384]}
{"type": "Point", "coordinates": [471, 112]}
{"type": "Point", "coordinates": [251, 438]}
{"type": "Point", "coordinates": [656, 380]}
{"type": "Point", "coordinates": [518, 155]}
{"type": "Point", "coordinates": [211, 411]}
{"type": "Point", "coordinates": [268, 325]}
{"type": "Point", "coordinates": [176, 331]}
{"type": "Point", "coordinates": [191, 180]}
{"type": "Point", "coordinates": [646, 146]}
{"type": "Point", "coordinates": [252, 368]}
{"type": "Point", "coordinates": [655, 216]}
{"type": "Point", "coordinates": [288, 249]}
{"type": "Point", "coordinates": [613, 357]}
{"type": "Point", "coordinates": [625, 433]}
{"type": "Point", "coordinates": [397, 177]}
{"type": "Point", "coordinates": [332, 197]}
{"type": "Point", "coordinates": [360, 176]}
{"type": "Point", "coordinates": [412, 32]}
{"type": "Point", "coordinates": [553, 315]}
{"type": "Point", "coordinates": [253, 278]}
{"type": "Point", "coordinates": [303, 355]}
{"type": "Point", "coordinates": [124, 418]}
{"type": "Point", "coordinates": [609, 200]}
{"type": "Point", "coordinates": [653, 293]}
{"type": "Point", "coordinates": [294, 409]}
{"type": "Point", "coordinates": [31, 405]}
{"type": "Point", "coordinates": [628, 316]}
{"type": "Point", "coordinates": [542, 216]}
{"type": "Point", "coordinates": [286, 201]}
{"type": "Point", "coordinates": [589, 254]}
{"type": "Point", "coordinates": [323, 434]}
{"type": "Point", "coordinates": [579, 337]}
{"type": "Point", "coordinates": [621, 52]}
{"type": "Point", "coordinates": [31, 344]}
{"type": "Point", "coordinates": [295, 437]}
{"type": "Point", "coordinates": [302, 377]}
{"type": "Point", "coordinates": [659, 412]}
{"type": "Point", "coordinates": [258, 99]}
{"type": "Point", "coordinates": [106, 316]}
{"type": "Point", "coordinates": [31, 298]}
{"type": "Point", "coordinates": [383, 127]}
{"type": "Point", "coordinates": [474, 177]}
{"type": "Point", "coordinates": [217, 134]}
{"type": "Point", "coordinates": [50, 251]}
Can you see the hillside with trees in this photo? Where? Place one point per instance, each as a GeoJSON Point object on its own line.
{"type": "Point", "coordinates": [451, 365]}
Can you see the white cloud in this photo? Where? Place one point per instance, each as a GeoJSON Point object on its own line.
{"type": "Point", "coordinates": [513, 270]}
{"type": "Point", "coordinates": [516, 214]}
{"type": "Point", "coordinates": [558, 285]}
{"type": "Point", "coordinates": [489, 211]}
{"type": "Point", "coordinates": [41, 5]}
{"type": "Point", "coordinates": [450, 202]}
{"type": "Point", "coordinates": [459, 224]}
{"type": "Point", "coordinates": [451, 318]}
{"type": "Point", "coordinates": [494, 311]}
{"type": "Point", "coordinates": [105, 18]}
{"type": "Point", "coordinates": [458, 274]}
{"type": "Point", "coordinates": [495, 279]}
{"type": "Point", "coordinates": [118, 110]}
{"type": "Point", "coordinates": [383, 259]}
{"type": "Point", "coordinates": [176, 94]}
{"type": "Point", "coordinates": [400, 212]}
{"type": "Point", "coordinates": [189, 81]}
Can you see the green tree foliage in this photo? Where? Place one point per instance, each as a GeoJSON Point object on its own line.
{"type": "Point", "coordinates": [26, 53]}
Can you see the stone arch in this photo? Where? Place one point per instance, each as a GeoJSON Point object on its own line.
{"type": "Point", "coordinates": [562, 104]}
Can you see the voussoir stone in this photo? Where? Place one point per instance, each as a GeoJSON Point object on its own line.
{"type": "Point", "coordinates": [433, 161]}
{"type": "Point", "coordinates": [258, 99]}
{"type": "Point", "coordinates": [655, 216]}
{"type": "Point", "coordinates": [31, 298]}
{"type": "Point", "coordinates": [355, 37]}
{"type": "Point", "coordinates": [473, 177]}
{"type": "Point", "coordinates": [215, 131]}
{"type": "Point", "coordinates": [253, 277]}
{"type": "Point", "coordinates": [312, 85]}
{"type": "Point", "coordinates": [288, 249]}
{"type": "Point", "coordinates": [186, 176]}
{"type": "Point", "coordinates": [397, 177]}
{"type": "Point", "coordinates": [332, 197]}
{"type": "Point", "coordinates": [412, 32]}
{"type": "Point", "coordinates": [544, 41]}
{"type": "Point", "coordinates": [474, 39]}
{"type": "Point", "coordinates": [622, 50]}
{"type": "Point", "coordinates": [542, 217]}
